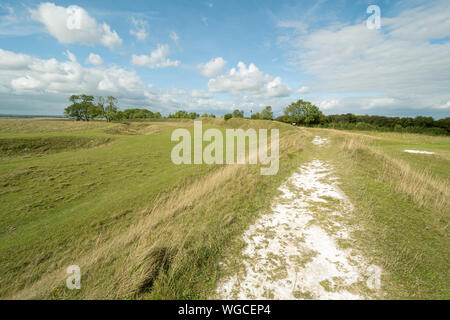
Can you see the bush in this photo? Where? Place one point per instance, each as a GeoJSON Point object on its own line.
{"type": "Point", "coordinates": [228, 116]}
{"type": "Point", "coordinates": [364, 126]}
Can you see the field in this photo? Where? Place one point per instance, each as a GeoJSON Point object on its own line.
{"type": "Point", "coordinates": [107, 197]}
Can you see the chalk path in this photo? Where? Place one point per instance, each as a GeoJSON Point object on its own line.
{"type": "Point", "coordinates": [291, 255]}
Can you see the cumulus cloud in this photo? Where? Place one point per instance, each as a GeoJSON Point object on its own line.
{"type": "Point", "coordinates": [42, 86]}
{"type": "Point", "coordinates": [212, 68]}
{"type": "Point", "coordinates": [94, 59]}
{"type": "Point", "coordinates": [302, 90]}
{"type": "Point", "coordinates": [25, 83]}
{"type": "Point", "coordinates": [328, 104]}
{"type": "Point", "coordinates": [63, 77]}
{"type": "Point", "coordinates": [156, 59]}
{"type": "Point", "coordinates": [140, 29]}
{"type": "Point", "coordinates": [249, 80]}
{"type": "Point", "coordinates": [74, 25]}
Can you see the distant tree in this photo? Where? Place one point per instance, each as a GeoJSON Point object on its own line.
{"type": "Point", "coordinates": [267, 113]}
{"type": "Point", "coordinates": [303, 112]}
{"type": "Point", "coordinates": [206, 115]}
{"type": "Point", "coordinates": [228, 116]}
{"type": "Point", "coordinates": [238, 113]}
{"type": "Point", "coordinates": [82, 108]}
{"type": "Point", "coordinates": [136, 113]}
{"type": "Point", "coordinates": [193, 115]}
{"type": "Point", "coordinates": [281, 119]}
{"type": "Point", "coordinates": [111, 109]}
{"type": "Point", "coordinates": [256, 116]}
{"type": "Point", "coordinates": [180, 114]}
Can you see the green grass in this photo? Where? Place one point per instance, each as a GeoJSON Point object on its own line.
{"type": "Point", "coordinates": [106, 196]}
{"type": "Point", "coordinates": [408, 240]}
{"type": "Point", "coordinates": [61, 195]}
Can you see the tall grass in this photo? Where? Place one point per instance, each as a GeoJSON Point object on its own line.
{"type": "Point", "coordinates": [422, 187]}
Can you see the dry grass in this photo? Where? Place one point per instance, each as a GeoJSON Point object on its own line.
{"type": "Point", "coordinates": [422, 187]}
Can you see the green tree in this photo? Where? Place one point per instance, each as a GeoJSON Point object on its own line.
{"type": "Point", "coordinates": [238, 113]}
{"type": "Point", "coordinates": [256, 116]}
{"type": "Point", "coordinates": [267, 113]}
{"type": "Point", "coordinates": [228, 116]}
{"type": "Point", "coordinates": [111, 109]}
{"type": "Point", "coordinates": [82, 108]}
{"type": "Point", "coordinates": [194, 115]}
{"type": "Point", "coordinates": [303, 112]}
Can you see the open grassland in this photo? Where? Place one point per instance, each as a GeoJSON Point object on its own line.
{"type": "Point", "coordinates": [107, 197]}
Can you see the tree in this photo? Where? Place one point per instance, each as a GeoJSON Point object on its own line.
{"type": "Point", "coordinates": [267, 113]}
{"type": "Point", "coordinates": [303, 112]}
{"type": "Point", "coordinates": [110, 111]}
{"type": "Point", "coordinates": [238, 113]}
{"type": "Point", "coordinates": [228, 116]}
{"type": "Point", "coordinates": [194, 115]}
{"type": "Point", "coordinates": [256, 116]}
{"type": "Point", "coordinates": [82, 108]}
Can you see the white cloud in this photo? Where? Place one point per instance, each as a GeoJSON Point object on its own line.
{"type": "Point", "coordinates": [94, 59]}
{"type": "Point", "coordinates": [24, 83]}
{"type": "Point", "coordinates": [140, 29]}
{"type": "Point", "coordinates": [402, 62]}
{"type": "Point", "coordinates": [53, 76]}
{"type": "Point", "coordinates": [10, 60]}
{"type": "Point", "coordinates": [444, 106]}
{"type": "Point", "coordinates": [302, 90]}
{"type": "Point", "coordinates": [44, 85]}
{"type": "Point", "coordinates": [249, 80]}
{"type": "Point", "coordinates": [156, 59]}
{"type": "Point", "coordinates": [328, 104]}
{"type": "Point", "coordinates": [212, 68]}
{"type": "Point", "coordinates": [58, 20]}
{"type": "Point", "coordinates": [175, 37]}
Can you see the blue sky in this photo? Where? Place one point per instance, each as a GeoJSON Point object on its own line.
{"type": "Point", "coordinates": [215, 56]}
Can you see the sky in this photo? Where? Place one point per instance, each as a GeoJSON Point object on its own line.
{"type": "Point", "coordinates": [216, 56]}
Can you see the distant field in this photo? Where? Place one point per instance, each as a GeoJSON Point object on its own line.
{"type": "Point", "coordinates": [107, 197]}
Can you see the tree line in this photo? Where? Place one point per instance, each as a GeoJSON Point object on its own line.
{"type": "Point", "coordinates": [305, 113]}
{"type": "Point", "coordinates": [85, 107]}
{"type": "Point", "coordinates": [301, 112]}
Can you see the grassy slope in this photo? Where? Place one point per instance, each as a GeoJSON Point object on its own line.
{"type": "Point", "coordinates": [141, 227]}
{"type": "Point", "coordinates": [88, 207]}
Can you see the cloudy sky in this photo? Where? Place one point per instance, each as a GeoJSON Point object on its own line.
{"type": "Point", "coordinates": [215, 56]}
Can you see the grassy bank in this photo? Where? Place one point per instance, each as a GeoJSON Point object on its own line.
{"type": "Point", "coordinates": [136, 224]}
{"type": "Point", "coordinates": [401, 206]}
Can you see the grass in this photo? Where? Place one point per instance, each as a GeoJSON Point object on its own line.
{"type": "Point", "coordinates": [106, 197]}
{"type": "Point", "coordinates": [401, 207]}
{"type": "Point", "coordinates": [135, 223]}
